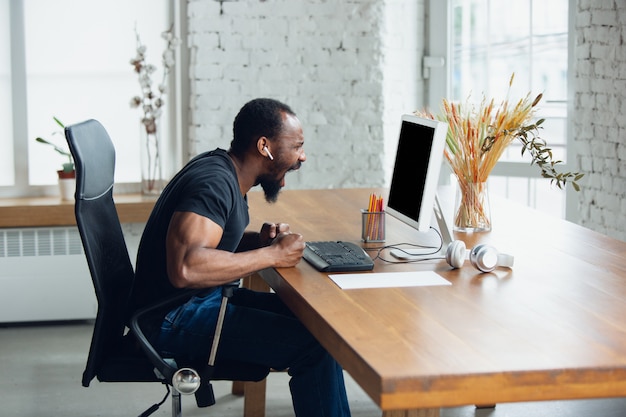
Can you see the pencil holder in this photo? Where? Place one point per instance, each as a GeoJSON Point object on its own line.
{"type": "Point", "coordinates": [372, 226]}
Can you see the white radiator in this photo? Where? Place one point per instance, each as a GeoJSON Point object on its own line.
{"type": "Point", "coordinates": [44, 276]}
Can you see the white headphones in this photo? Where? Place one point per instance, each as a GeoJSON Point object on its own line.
{"type": "Point", "coordinates": [269, 155]}
{"type": "Point", "coordinates": [485, 258]}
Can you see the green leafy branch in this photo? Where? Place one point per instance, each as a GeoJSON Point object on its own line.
{"type": "Point", "coordinates": [541, 155]}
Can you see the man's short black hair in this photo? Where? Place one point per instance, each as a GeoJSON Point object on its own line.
{"type": "Point", "coordinates": [257, 118]}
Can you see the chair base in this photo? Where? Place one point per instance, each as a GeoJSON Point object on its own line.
{"type": "Point", "coordinates": [176, 404]}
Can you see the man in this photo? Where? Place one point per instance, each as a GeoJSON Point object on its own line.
{"type": "Point", "coordinates": [195, 238]}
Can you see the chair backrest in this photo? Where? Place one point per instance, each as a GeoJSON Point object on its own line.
{"type": "Point", "coordinates": [103, 241]}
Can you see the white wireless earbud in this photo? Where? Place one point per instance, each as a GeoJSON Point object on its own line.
{"type": "Point", "coordinates": [483, 257]}
{"type": "Point", "coordinates": [269, 155]}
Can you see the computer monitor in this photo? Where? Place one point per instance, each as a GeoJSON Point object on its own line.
{"type": "Point", "coordinates": [415, 175]}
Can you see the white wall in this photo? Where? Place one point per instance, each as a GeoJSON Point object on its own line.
{"type": "Point", "coordinates": [347, 68]}
{"type": "Point", "coordinates": [403, 86]}
{"type": "Point", "coordinates": [600, 114]}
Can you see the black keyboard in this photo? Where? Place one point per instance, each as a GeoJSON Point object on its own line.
{"type": "Point", "coordinates": [331, 256]}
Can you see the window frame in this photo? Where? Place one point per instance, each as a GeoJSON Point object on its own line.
{"type": "Point", "coordinates": [174, 147]}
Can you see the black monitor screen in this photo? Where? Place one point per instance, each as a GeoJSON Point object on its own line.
{"type": "Point", "coordinates": [415, 176]}
{"type": "Point", "coordinates": [409, 172]}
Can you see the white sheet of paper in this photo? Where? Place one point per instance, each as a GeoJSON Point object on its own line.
{"type": "Point", "coordinates": [389, 279]}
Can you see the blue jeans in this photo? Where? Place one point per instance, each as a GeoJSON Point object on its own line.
{"type": "Point", "coordinates": [259, 328]}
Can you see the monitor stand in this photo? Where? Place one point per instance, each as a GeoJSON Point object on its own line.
{"type": "Point", "coordinates": [429, 239]}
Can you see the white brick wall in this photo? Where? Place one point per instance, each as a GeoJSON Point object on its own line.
{"type": "Point", "coordinates": [344, 66]}
{"type": "Point", "coordinates": [600, 114]}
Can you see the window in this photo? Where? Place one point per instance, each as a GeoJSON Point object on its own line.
{"type": "Point", "coordinates": [487, 42]}
{"type": "Point", "coordinates": [533, 45]}
{"type": "Point", "coordinates": [71, 60]}
{"type": "Point", "coordinates": [7, 167]}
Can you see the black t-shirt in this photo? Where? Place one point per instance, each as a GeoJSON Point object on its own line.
{"type": "Point", "coordinates": [207, 186]}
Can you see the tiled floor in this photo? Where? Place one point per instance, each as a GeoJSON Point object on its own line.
{"type": "Point", "coordinates": [41, 367]}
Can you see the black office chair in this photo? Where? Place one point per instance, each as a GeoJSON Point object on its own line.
{"type": "Point", "coordinates": [117, 354]}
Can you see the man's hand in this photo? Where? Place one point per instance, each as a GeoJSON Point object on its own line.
{"type": "Point", "coordinates": [269, 232]}
{"type": "Point", "coordinates": [289, 247]}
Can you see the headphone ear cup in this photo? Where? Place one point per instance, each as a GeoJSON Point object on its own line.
{"type": "Point", "coordinates": [455, 254]}
{"type": "Point", "coordinates": [484, 258]}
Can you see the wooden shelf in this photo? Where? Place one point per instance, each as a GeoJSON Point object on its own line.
{"type": "Point", "coordinates": [52, 211]}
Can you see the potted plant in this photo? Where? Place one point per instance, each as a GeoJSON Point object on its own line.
{"type": "Point", "coordinates": [67, 175]}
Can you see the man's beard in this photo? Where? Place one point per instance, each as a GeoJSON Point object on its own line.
{"type": "Point", "coordinates": [271, 188]}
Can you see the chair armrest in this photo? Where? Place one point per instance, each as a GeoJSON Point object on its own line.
{"type": "Point", "coordinates": [229, 289]}
{"type": "Point", "coordinates": [166, 369]}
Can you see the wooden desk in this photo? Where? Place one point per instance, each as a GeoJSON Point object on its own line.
{"type": "Point", "coordinates": [552, 328]}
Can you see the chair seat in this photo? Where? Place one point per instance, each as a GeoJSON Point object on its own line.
{"type": "Point", "coordinates": [131, 365]}
{"type": "Point", "coordinates": [127, 369]}
{"type": "Point", "coordinates": [139, 369]}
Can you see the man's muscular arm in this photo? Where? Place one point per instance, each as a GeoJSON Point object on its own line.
{"type": "Point", "coordinates": [194, 262]}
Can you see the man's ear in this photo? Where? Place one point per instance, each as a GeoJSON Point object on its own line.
{"type": "Point", "coordinates": [263, 149]}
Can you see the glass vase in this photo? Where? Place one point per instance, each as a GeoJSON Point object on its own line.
{"type": "Point", "coordinates": [152, 181]}
{"type": "Point", "coordinates": [472, 209]}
